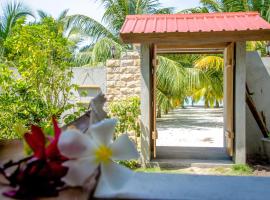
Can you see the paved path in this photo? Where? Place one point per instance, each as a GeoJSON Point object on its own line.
{"type": "Point", "coordinates": [191, 127]}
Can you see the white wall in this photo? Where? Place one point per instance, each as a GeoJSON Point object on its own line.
{"type": "Point", "coordinates": [258, 80]}
{"type": "Point", "coordinates": [83, 76]}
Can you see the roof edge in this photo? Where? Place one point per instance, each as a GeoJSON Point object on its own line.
{"type": "Point", "coordinates": [193, 14]}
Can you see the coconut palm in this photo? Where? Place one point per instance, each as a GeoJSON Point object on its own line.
{"type": "Point", "coordinates": [174, 77]}
{"type": "Point", "coordinates": [210, 73]}
{"type": "Point", "coordinates": [105, 35]}
{"type": "Point", "coordinates": [12, 11]}
{"type": "Point", "coordinates": [60, 20]}
{"type": "Point", "coordinates": [262, 6]}
{"type": "Point", "coordinates": [210, 87]}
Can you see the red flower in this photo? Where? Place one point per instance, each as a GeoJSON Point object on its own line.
{"type": "Point", "coordinates": [50, 153]}
{"type": "Point", "coordinates": [40, 174]}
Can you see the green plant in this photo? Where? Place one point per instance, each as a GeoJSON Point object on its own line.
{"type": "Point", "coordinates": [127, 112]}
{"type": "Point", "coordinates": [105, 35]}
{"type": "Point", "coordinates": [241, 169]}
{"type": "Point", "coordinates": [35, 76]}
{"type": "Point", "coordinates": [131, 164]}
{"type": "Point", "coordinates": [11, 13]}
{"type": "Point", "coordinates": [210, 87]}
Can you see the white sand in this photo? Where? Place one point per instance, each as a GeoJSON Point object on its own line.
{"type": "Point", "coordinates": [191, 127]}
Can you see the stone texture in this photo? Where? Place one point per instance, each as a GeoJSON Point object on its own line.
{"type": "Point", "coordinates": [126, 63]}
{"type": "Point", "coordinates": [130, 55]}
{"type": "Point", "coordinates": [112, 63]}
{"type": "Point", "coordinates": [123, 76]}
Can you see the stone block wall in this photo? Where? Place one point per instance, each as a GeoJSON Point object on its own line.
{"type": "Point", "coordinates": [123, 76]}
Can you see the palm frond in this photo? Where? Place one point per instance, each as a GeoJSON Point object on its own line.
{"type": "Point", "coordinates": [83, 58]}
{"type": "Point", "coordinates": [210, 87]}
{"type": "Point", "coordinates": [168, 10]}
{"type": "Point", "coordinates": [164, 102]}
{"type": "Point", "coordinates": [210, 62]}
{"type": "Point", "coordinates": [195, 10]}
{"type": "Point", "coordinates": [171, 77]}
{"type": "Point", "coordinates": [43, 14]}
{"type": "Point", "coordinates": [63, 15]}
{"type": "Point", "coordinates": [12, 11]}
{"type": "Point", "coordinates": [212, 5]}
{"type": "Point", "coordinates": [90, 27]}
{"type": "Point", "coordinates": [102, 50]}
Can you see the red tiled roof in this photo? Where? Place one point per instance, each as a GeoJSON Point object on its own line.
{"type": "Point", "coordinates": [207, 22]}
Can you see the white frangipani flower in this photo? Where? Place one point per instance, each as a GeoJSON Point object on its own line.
{"type": "Point", "coordinates": [87, 151]}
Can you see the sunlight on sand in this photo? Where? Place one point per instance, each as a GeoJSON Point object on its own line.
{"type": "Point", "coordinates": [191, 127]}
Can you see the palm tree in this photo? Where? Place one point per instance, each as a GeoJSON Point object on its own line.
{"type": "Point", "coordinates": [210, 67]}
{"type": "Point", "coordinates": [176, 79]}
{"type": "Point", "coordinates": [61, 20]}
{"type": "Point", "coordinates": [12, 11]}
{"type": "Point", "coordinates": [105, 35]}
{"type": "Point", "coordinates": [210, 87]}
{"type": "Point", "coordinates": [262, 6]}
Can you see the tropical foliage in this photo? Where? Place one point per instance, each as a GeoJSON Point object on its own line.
{"type": "Point", "coordinates": [127, 112]}
{"type": "Point", "coordinates": [172, 84]}
{"type": "Point", "coordinates": [210, 71]}
{"type": "Point", "coordinates": [183, 77]}
{"type": "Point", "coordinates": [261, 6]}
{"type": "Point", "coordinates": [11, 13]}
{"type": "Point", "coordinates": [35, 81]}
{"type": "Point", "coordinates": [105, 35]}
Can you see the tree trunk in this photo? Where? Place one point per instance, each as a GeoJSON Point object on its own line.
{"type": "Point", "coordinates": [206, 104]}
{"type": "Point", "coordinates": [217, 104]}
{"type": "Point", "coordinates": [166, 111]}
{"type": "Point", "coordinates": [182, 106]}
{"type": "Point", "coordinates": [158, 113]}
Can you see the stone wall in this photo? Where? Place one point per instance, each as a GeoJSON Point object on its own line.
{"type": "Point", "coordinates": [123, 76]}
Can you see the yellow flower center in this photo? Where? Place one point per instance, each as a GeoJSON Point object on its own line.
{"type": "Point", "coordinates": [103, 154]}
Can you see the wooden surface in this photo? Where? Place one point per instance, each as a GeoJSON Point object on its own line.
{"type": "Point", "coordinates": [229, 122]}
{"type": "Point", "coordinates": [154, 97]}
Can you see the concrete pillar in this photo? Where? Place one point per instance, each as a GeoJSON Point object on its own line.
{"type": "Point", "coordinates": [240, 103]}
{"type": "Point", "coordinates": [145, 104]}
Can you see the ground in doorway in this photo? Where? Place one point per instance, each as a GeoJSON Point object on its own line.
{"type": "Point", "coordinates": [191, 137]}
{"type": "Point", "coordinates": [191, 127]}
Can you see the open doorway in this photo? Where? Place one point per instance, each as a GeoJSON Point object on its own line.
{"type": "Point", "coordinates": [190, 126]}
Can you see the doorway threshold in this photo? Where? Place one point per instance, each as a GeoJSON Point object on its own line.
{"type": "Point", "coordinates": [182, 157]}
{"type": "Point", "coordinates": [185, 163]}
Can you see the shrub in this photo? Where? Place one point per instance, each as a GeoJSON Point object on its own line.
{"type": "Point", "coordinates": [37, 85]}
{"type": "Point", "coordinates": [131, 164]}
{"type": "Point", "coordinates": [127, 112]}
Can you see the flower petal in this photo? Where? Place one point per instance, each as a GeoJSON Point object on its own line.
{"type": "Point", "coordinates": [57, 130]}
{"type": "Point", "coordinates": [124, 149]}
{"type": "Point", "coordinates": [79, 171]}
{"type": "Point", "coordinates": [114, 175]}
{"type": "Point", "coordinates": [36, 141]}
{"type": "Point", "coordinates": [74, 144]}
{"type": "Point", "coordinates": [102, 132]}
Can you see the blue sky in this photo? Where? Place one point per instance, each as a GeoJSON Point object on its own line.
{"type": "Point", "coordinates": [90, 7]}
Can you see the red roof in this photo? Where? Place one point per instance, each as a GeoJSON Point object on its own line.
{"type": "Point", "coordinates": [206, 22]}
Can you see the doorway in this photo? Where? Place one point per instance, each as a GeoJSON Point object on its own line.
{"type": "Point", "coordinates": [192, 130]}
